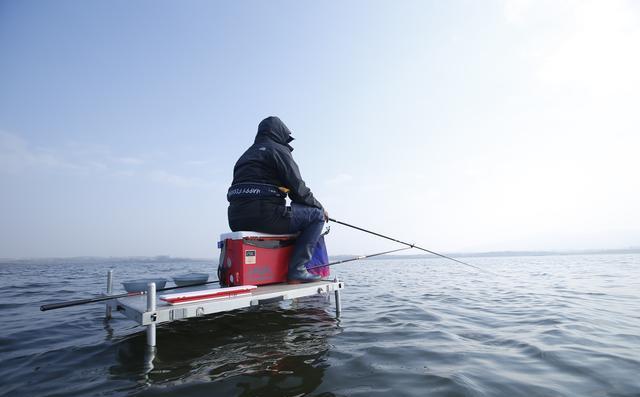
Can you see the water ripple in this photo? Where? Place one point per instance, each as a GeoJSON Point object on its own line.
{"type": "Point", "coordinates": [549, 326]}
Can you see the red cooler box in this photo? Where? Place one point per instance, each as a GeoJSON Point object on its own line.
{"type": "Point", "coordinates": [252, 258]}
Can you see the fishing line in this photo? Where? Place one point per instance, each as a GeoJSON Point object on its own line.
{"type": "Point", "coordinates": [357, 258]}
{"type": "Point", "coordinates": [410, 245]}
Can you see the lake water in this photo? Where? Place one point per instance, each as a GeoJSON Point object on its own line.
{"type": "Point", "coordinates": [544, 326]}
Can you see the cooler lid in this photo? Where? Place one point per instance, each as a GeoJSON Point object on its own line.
{"type": "Point", "coordinates": [249, 234]}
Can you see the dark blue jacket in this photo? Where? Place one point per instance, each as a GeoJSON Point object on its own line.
{"type": "Point", "coordinates": [268, 161]}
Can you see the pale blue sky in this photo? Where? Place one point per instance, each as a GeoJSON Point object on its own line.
{"type": "Point", "coordinates": [459, 125]}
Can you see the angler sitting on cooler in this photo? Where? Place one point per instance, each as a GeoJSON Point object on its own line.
{"type": "Point", "coordinates": [262, 178]}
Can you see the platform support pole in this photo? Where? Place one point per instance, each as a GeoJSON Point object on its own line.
{"type": "Point", "coordinates": [107, 314]}
{"type": "Point", "coordinates": [338, 302]}
{"type": "Point", "coordinates": [151, 307]}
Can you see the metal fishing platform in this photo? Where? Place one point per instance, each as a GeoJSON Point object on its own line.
{"type": "Point", "coordinates": [148, 310]}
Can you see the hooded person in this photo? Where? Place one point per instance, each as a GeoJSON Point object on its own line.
{"type": "Point", "coordinates": [262, 178]}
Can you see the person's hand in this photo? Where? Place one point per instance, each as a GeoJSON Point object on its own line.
{"type": "Point", "coordinates": [326, 215]}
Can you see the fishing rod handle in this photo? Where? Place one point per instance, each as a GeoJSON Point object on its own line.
{"type": "Point", "coordinates": [52, 306]}
{"type": "Point", "coordinates": [60, 305]}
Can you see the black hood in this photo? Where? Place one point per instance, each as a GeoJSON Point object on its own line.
{"type": "Point", "coordinates": [274, 129]}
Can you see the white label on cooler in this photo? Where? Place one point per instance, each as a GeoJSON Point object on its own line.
{"type": "Point", "coordinates": [250, 257]}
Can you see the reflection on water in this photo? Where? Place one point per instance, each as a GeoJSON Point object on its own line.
{"type": "Point", "coordinates": [270, 351]}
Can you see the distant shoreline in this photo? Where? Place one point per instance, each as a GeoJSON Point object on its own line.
{"type": "Point", "coordinates": [165, 258]}
{"type": "Point", "coordinates": [494, 254]}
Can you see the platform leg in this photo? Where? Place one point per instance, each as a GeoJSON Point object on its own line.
{"type": "Point", "coordinates": [338, 302]}
{"type": "Point", "coordinates": [107, 314]}
{"type": "Point", "coordinates": [149, 356]}
{"type": "Point", "coordinates": [151, 307]}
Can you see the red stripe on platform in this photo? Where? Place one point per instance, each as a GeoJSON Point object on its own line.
{"type": "Point", "coordinates": [221, 294]}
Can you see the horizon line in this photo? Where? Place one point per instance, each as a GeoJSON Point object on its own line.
{"type": "Point", "coordinates": [504, 253]}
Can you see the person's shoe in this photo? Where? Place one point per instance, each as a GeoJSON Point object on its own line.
{"type": "Point", "coordinates": [298, 275]}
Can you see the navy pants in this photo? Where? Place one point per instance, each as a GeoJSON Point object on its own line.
{"type": "Point", "coordinates": [309, 221]}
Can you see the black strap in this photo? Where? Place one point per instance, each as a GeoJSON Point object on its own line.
{"type": "Point", "coordinates": [249, 190]}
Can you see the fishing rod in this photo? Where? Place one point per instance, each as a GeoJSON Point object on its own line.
{"type": "Point", "coordinates": [410, 245]}
{"type": "Point", "coordinates": [52, 306]}
{"type": "Point", "coordinates": [60, 305]}
{"type": "Point", "coordinates": [357, 258]}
